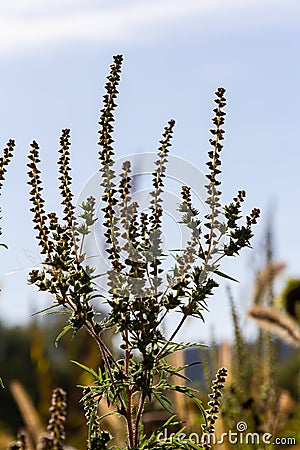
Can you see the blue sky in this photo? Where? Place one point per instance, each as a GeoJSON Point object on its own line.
{"type": "Point", "coordinates": [54, 56]}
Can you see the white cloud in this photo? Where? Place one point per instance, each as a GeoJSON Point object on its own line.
{"type": "Point", "coordinates": [26, 25]}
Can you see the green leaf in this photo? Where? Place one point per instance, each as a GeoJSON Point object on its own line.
{"type": "Point", "coordinates": [100, 376]}
{"type": "Point", "coordinates": [111, 413]}
{"type": "Point", "coordinates": [152, 440]}
{"type": "Point", "coordinates": [175, 346]}
{"type": "Point", "coordinates": [62, 333]}
{"type": "Point", "coordinates": [164, 401]}
{"type": "Point", "coordinates": [91, 422]}
{"type": "Point", "coordinates": [60, 311]}
{"type": "Point", "coordinates": [189, 392]}
{"type": "Point", "coordinates": [45, 309]}
{"type": "Point", "coordinates": [223, 275]}
{"type": "Point", "coordinates": [87, 369]}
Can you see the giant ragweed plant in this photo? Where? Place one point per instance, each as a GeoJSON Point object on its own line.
{"type": "Point", "coordinates": [137, 294]}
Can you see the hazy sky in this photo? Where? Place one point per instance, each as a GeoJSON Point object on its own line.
{"type": "Point", "coordinates": [54, 56]}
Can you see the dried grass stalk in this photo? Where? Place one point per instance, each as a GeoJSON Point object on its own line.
{"type": "Point", "coordinates": [277, 322]}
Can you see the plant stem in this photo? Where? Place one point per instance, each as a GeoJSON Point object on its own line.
{"type": "Point", "coordinates": [140, 412]}
{"type": "Point", "coordinates": [183, 319]}
{"type": "Point", "coordinates": [104, 352]}
{"type": "Point", "coordinates": [129, 418]}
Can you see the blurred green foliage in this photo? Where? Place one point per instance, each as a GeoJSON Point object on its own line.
{"type": "Point", "coordinates": [28, 354]}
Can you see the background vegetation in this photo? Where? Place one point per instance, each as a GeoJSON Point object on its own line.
{"type": "Point", "coordinates": [255, 390]}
